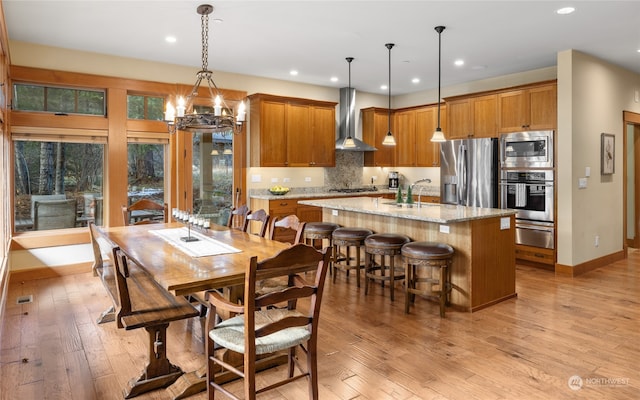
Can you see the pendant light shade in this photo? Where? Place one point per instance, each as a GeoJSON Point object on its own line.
{"type": "Point", "coordinates": [389, 140]}
{"type": "Point", "coordinates": [349, 143]}
{"type": "Point", "coordinates": [438, 136]}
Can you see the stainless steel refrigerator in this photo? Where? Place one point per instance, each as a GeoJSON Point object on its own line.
{"type": "Point", "coordinates": [469, 172]}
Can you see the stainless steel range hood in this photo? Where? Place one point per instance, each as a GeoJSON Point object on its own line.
{"type": "Point", "coordinates": [349, 114]}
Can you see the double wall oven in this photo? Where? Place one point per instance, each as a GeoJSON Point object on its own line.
{"type": "Point", "coordinates": [527, 185]}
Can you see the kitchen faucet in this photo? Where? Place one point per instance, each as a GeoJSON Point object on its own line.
{"type": "Point", "coordinates": [425, 180]}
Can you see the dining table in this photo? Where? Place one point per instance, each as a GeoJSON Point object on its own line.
{"type": "Point", "coordinates": [185, 260]}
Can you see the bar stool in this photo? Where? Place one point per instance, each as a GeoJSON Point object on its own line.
{"type": "Point", "coordinates": [383, 244]}
{"type": "Point", "coordinates": [319, 231]}
{"type": "Point", "coordinates": [350, 238]}
{"type": "Point", "coordinates": [431, 255]}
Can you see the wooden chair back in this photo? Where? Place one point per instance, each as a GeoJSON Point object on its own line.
{"type": "Point", "coordinates": [261, 218]}
{"type": "Point", "coordinates": [154, 212]}
{"type": "Point", "coordinates": [293, 327]}
{"type": "Point", "coordinates": [54, 214]}
{"type": "Point", "coordinates": [287, 229]}
{"type": "Point", "coordinates": [238, 216]}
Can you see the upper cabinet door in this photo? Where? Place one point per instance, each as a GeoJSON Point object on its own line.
{"type": "Point", "coordinates": [543, 107]}
{"type": "Point", "coordinates": [299, 138]}
{"type": "Point", "coordinates": [375, 125]}
{"type": "Point", "coordinates": [405, 135]}
{"type": "Point", "coordinates": [323, 132]}
{"type": "Point", "coordinates": [459, 115]}
{"type": "Point", "coordinates": [428, 152]}
{"type": "Point", "coordinates": [485, 116]}
{"type": "Point", "coordinates": [268, 121]}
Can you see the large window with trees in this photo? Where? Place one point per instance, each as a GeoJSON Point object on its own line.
{"type": "Point", "coordinates": [146, 162]}
{"type": "Point", "coordinates": [57, 184]}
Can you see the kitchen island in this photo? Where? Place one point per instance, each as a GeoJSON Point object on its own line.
{"type": "Point", "coordinates": [483, 269]}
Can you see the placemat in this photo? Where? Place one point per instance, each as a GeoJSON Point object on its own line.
{"type": "Point", "coordinates": [204, 247]}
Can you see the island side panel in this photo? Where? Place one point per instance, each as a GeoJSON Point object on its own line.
{"type": "Point", "coordinates": [493, 277]}
{"type": "Point", "coordinates": [459, 237]}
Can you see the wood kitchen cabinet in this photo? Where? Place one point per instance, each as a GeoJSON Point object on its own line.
{"type": "Point", "coordinates": [414, 129]}
{"type": "Point", "coordinates": [405, 134]}
{"type": "Point", "coordinates": [472, 117]}
{"type": "Point", "coordinates": [375, 125]}
{"type": "Point", "coordinates": [291, 132]}
{"type": "Point", "coordinates": [531, 108]}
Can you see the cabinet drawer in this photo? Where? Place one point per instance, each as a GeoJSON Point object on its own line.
{"type": "Point", "coordinates": [535, 254]}
{"type": "Point", "coordinates": [282, 207]}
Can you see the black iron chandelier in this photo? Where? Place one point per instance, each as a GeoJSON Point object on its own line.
{"type": "Point", "coordinates": [184, 116]}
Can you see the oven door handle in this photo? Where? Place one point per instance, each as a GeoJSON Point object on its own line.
{"type": "Point", "coordinates": [526, 184]}
{"type": "Point", "coordinates": [535, 228]}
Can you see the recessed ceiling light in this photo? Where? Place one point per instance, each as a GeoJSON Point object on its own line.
{"type": "Point", "coordinates": [415, 80]}
{"type": "Point", "coordinates": [565, 10]}
{"type": "Point", "coordinates": [478, 67]}
{"type": "Point", "coordinates": [170, 39]}
{"type": "Point", "coordinates": [458, 63]}
{"type": "Point", "coordinates": [293, 72]}
{"type": "Point", "coordinates": [383, 87]}
{"type": "Point", "coordinates": [334, 79]}
{"type": "Point", "coordinates": [217, 20]}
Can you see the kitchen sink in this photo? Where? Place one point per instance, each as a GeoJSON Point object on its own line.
{"type": "Point", "coordinates": [413, 205]}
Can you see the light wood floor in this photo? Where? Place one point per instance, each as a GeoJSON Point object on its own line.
{"type": "Point", "coordinates": [525, 348]}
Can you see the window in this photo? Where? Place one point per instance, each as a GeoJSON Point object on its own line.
{"type": "Point", "coordinates": [58, 99]}
{"type": "Point", "coordinates": [57, 184]}
{"type": "Point", "coordinates": [146, 163]}
{"type": "Point", "coordinates": [145, 107]}
{"type": "Point", "coordinates": [213, 176]}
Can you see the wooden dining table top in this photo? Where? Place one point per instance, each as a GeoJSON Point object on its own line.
{"type": "Point", "coordinates": [181, 273]}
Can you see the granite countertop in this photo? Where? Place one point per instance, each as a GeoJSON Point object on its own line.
{"type": "Point", "coordinates": [428, 212]}
{"type": "Point", "coordinates": [310, 193]}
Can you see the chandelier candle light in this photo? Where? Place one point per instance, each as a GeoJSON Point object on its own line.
{"type": "Point", "coordinates": [185, 117]}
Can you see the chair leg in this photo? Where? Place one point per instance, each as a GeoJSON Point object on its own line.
{"type": "Point", "coordinates": [392, 274]}
{"type": "Point", "coordinates": [358, 266]}
{"type": "Point", "coordinates": [367, 268]}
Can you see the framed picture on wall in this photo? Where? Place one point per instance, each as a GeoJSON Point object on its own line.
{"type": "Point", "coordinates": [607, 153]}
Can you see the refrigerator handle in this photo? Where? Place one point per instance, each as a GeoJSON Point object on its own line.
{"type": "Point", "coordinates": [462, 176]}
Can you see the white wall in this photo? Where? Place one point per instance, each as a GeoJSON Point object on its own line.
{"type": "Point", "coordinates": [592, 96]}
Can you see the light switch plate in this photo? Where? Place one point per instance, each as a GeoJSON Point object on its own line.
{"type": "Point", "coordinates": [582, 183]}
{"type": "Point", "coordinates": [307, 179]}
{"type": "Point", "coordinates": [334, 213]}
{"type": "Point", "coordinates": [256, 178]}
{"type": "Point", "coordinates": [274, 180]}
{"type": "Point", "coordinates": [444, 228]}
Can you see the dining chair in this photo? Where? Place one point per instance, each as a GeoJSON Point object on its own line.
{"type": "Point", "coordinates": [238, 216]}
{"type": "Point", "coordinates": [259, 330]}
{"type": "Point", "coordinates": [145, 211]}
{"type": "Point", "coordinates": [260, 217]}
{"type": "Point", "coordinates": [287, 229]}
{"type": "Point", "coordinates": [54, 214]}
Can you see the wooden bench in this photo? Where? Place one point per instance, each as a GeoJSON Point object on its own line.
{"type": "Point", "coordinates": [103, 268]}
{"type": "Point", "coordinates": [144, 304]}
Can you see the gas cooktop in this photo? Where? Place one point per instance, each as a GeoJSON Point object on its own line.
{"type": "Point", "coordinates": [354, 190]}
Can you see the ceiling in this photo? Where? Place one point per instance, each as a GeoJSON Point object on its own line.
{"type": "Point", "coordinates": [270, 38]}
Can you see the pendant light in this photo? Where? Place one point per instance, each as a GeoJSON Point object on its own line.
{"type": "Point", "coordinates": [389, 140]}
{"type": "Point", "coordinates": [438, 136]}
{"type": "Point", "coordinates": [349, 143]}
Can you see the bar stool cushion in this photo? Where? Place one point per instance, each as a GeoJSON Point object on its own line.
{"type": "Point", "coordinates": [386, 240]}
{"type": "Point", "coordinates": [351, 233]}
{"type": "Point", "coordinates": [320, 227]}
{"type": "Point", "coordinates": [427, 250]}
